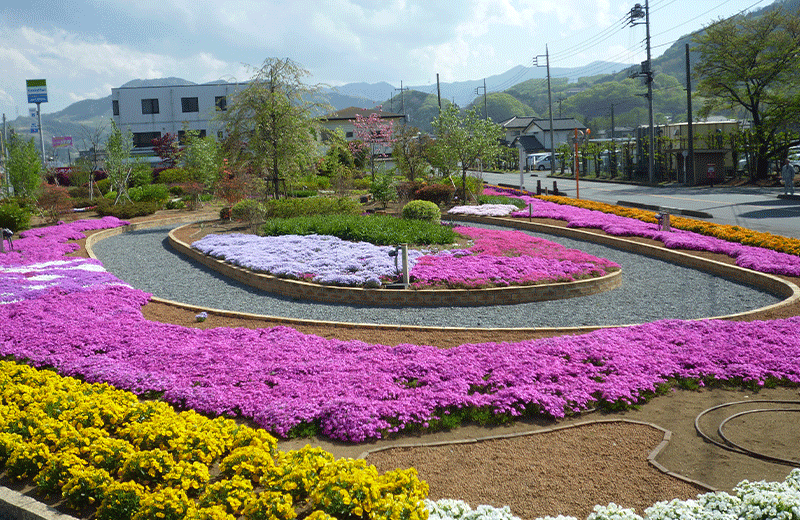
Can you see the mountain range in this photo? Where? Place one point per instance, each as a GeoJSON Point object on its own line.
{"type": "Point", "coordinates": [83, 118]}
{"type": "Point", "coordinates": [587, 93]}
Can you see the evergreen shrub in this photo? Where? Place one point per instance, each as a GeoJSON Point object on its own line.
{"type": "Point", "coordinates": [14, 217]}
{"type": "Point", "coordinates": [422, 210]}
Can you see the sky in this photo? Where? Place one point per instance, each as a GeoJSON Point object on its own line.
{"type": "Point", "coordinates": [84, 48]}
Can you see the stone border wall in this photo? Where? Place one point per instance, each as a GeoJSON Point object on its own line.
{"type": "Point", "coordinates": [399, 297]}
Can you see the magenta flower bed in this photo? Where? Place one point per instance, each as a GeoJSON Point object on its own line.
{"type": "Point", "coordinates": [756, 258]}
{"type": "Point", "coordinates": [354, 391]}
{"type": "Point", "coordinates": [502, 258]}
{"type": "Point", "coordinates": [498, 258]}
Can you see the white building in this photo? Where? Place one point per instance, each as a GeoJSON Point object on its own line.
{"type": "Point", "coordinates": [151, 112]}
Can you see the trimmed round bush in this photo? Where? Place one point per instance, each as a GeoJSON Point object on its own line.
{"type": "Point", "coordinates": [249, 210]}
{"type": "Point", "coordinates": [422, 210]}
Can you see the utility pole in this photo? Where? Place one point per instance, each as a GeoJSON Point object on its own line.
{"type": "Point", "coordinates": [485, 110]}
{"type": "Point", "coordinates": [637, 13]}
{"type": "Point", "coordinates": [402, 104]}
{"type": "Point", "coordinates": [688, 166]}
{"type": "Point", "coordinates": [550, 105]}
{"type": "Point", "coordinates": [439, 92]}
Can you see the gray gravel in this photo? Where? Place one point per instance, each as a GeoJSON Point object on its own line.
{"type": "Point", "coordinates": [651, 290]}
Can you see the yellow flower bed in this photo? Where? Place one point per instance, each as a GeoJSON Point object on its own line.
{"type": "Point", "coordinates": [99, 446]}
{"type": "Point", "coordinates": [737, 234]}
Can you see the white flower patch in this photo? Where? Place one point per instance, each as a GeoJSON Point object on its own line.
{"type": "Point", "coordinates": [485, 210]}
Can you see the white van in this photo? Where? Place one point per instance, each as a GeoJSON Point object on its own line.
{"type": "Point", "coordinates": [544, 163]}
{"type": "Point", "coordinates": [533, 158]}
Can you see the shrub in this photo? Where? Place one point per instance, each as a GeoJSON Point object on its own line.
{"type": "Point", "coordinates": [141, 175]}
{"type": "Point", "coordinates": [103, 185]}
{"type": "Point", "coordinates": [106, 207]}
{"type": "Point", "coordinates": [225, 213]}
{"type": "Point", "coordinates": [377, 229]}
{"type": "Point", "coordinates": [14, 217]}
{"type": "Point", "coordinates": [158, 193]}
{"type": "Point", "coordinates": [83, 202]}
{"type": "Point", "coordinates": [382, 189]}
{"type": "Point", "coordinates": [175, 204]}
{"type": "Point", "coordinates": [500, 199]}
{"type": "Point", "coordinates": [82, 192]}
{"type": "Point", "coordinates": [362, 184]}
{"type": "Point", "coordinates": [288, 208]}
{"type": "Point", "coordinates": [406, 190]}
{"type": "Point", "coordinates": [53, 201]}
{"type": "Point", "coordinates": [174, 176]}
{"type": "Point", "coordinates": [302, 193]}
{"type": "Point", "coordinates": [422, 210]}
{"type": "Point", "coordinates": [436, 193]}
{"type": "Point", "coordinates": [248, 210]}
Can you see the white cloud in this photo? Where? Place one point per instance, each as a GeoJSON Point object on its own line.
{"type": "Point", "coordinates": [78, 67]}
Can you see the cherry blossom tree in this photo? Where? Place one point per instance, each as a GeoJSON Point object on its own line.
{"type": "Point", "coordinates": [374, 135]}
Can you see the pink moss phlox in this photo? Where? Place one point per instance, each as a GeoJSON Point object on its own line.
{"type": "Point", "coordinates": [756, 258]}
{"type": "Point", "coordinates": [281, 378]}
{"type": "Point", "coordinates": [506, 257]}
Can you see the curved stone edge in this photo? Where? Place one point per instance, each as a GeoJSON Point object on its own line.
{"type": "Point", "coordinates": [772, 284]}
{"type": "Point", "coordinates": [401, 297]}
{"type": "Point", "coordinates": [651, 457]}
{"type": "Point", "coordinates": [784, 289]}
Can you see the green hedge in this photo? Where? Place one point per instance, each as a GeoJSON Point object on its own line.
{"type": "Point", "coordinates": [376, 229]}
{"type": "Point", "coordinates": [297, 207]}
{"type": "Point", "coordinates": [106, 207]}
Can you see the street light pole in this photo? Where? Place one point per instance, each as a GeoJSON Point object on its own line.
{"type": "Point", "coordinates": [637, 13]}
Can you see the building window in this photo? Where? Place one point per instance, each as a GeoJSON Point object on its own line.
{"type": "Point", "coordinates": [190, 104]}
{"type": "Point", "coordinates": [349, 135]}
{"type": "Point", "coordinates": [144, 139]}
{"type": "Point", "coordinates": [115, 107]}
{"type": "Point", "coordinates": [150, 106]}
{"type": "Point", "coordinates": [221, 102]}
{"type": "Point", "coordinates": [182, 135]}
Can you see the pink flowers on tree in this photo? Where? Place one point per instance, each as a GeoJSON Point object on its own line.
{"type": "Point", "coordinates": [374, 136]}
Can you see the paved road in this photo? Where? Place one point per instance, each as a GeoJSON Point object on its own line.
{"type": "Point", "coordinates": [751, 207]}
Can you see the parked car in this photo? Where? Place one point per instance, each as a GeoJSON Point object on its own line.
{"type": "Point", "coordinates": [544, 163]}
{"type": "Point", "coordinates": [532, 159]}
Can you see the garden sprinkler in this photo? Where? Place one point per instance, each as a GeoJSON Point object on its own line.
{"type": "Point", "coordinates": [401, 251]}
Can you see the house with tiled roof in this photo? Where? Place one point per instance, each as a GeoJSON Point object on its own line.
{"type": "Point", "coordinates": [515, 126]}
{"type": "Point", "coordinates": [346, 117]}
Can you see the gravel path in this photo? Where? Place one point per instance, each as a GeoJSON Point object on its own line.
{"type": "Point", "coordinates": [651, 290]}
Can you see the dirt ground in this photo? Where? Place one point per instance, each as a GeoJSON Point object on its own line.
{"type": "Point", "coordinates": [540, 468]}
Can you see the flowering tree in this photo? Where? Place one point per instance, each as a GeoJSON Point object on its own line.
{"type": "Point", "coordinates": [374, 136]}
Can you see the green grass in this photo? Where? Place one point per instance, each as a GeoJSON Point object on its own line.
{"type": "Point", "coordinates": [381, 230]}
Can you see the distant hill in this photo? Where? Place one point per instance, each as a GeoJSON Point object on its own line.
{"type": "Point", "coordinates": [587, 93]}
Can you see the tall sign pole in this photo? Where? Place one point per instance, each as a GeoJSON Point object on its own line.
{"type": "Point", "coordinates": [37, 93]}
